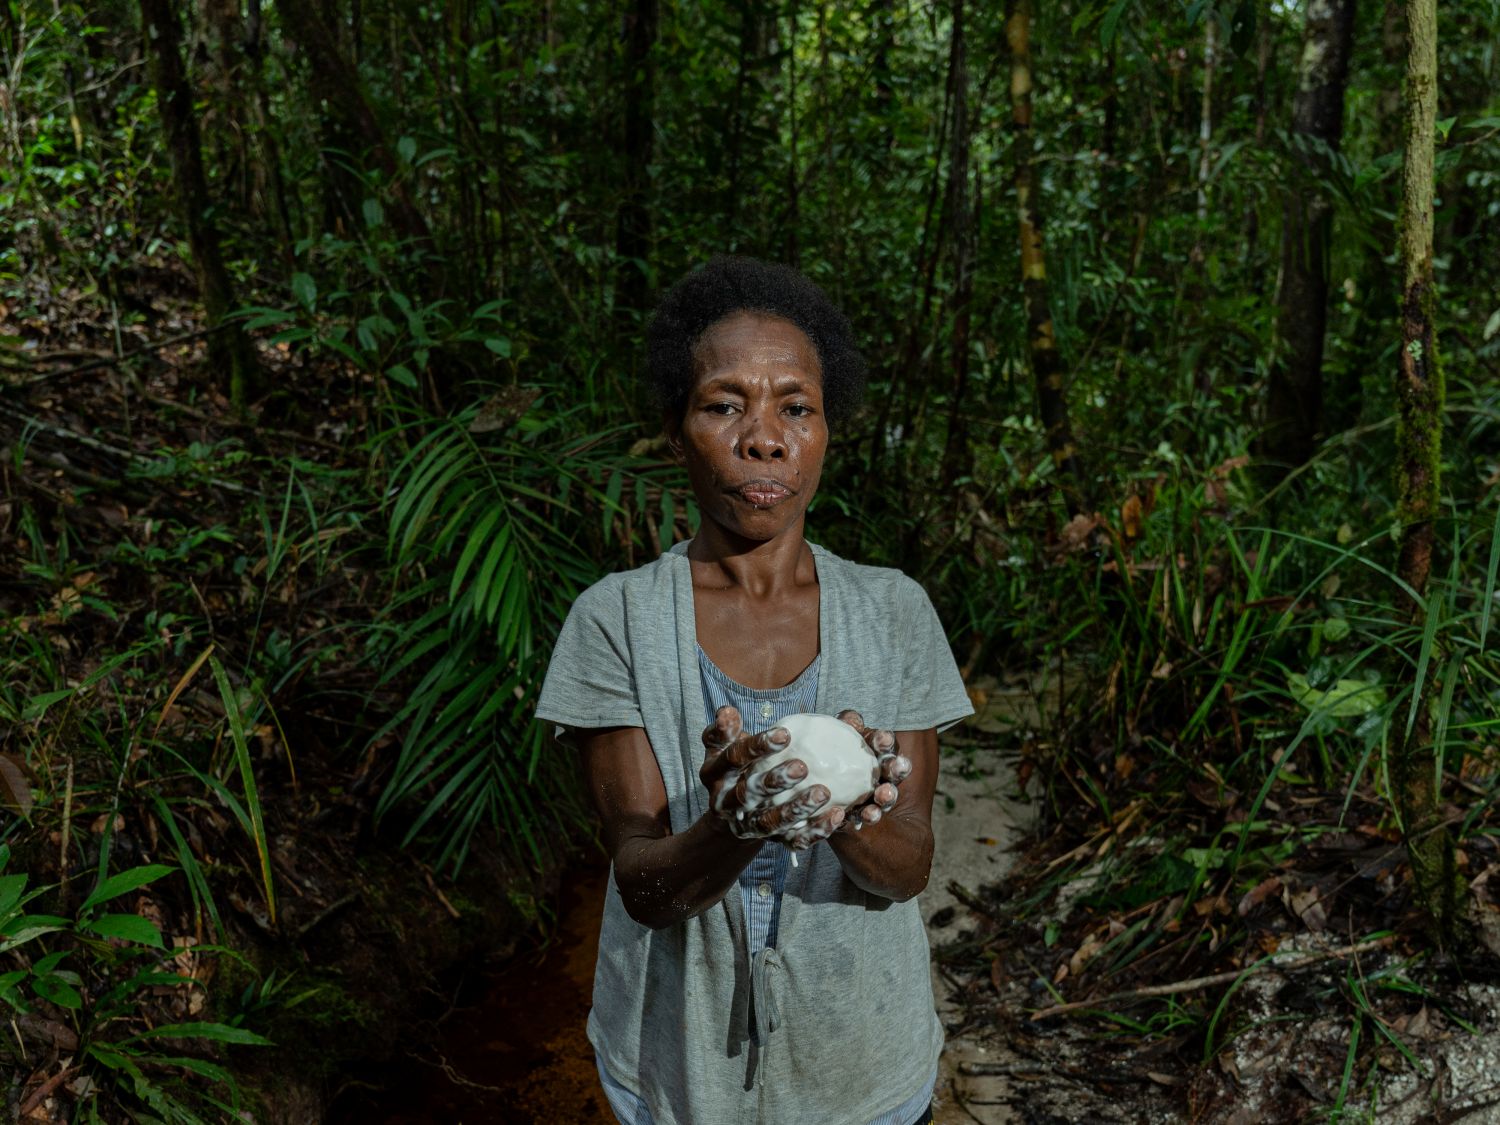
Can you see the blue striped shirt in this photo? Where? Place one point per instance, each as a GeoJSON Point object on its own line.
{"type": "Point", "coordinates": [763, 881]}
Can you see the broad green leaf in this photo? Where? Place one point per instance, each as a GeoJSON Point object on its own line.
{"type": "Point", "coordinates": [12, 887]}
{"type": "Point", "coordinates": [1111, 22]}
{"type": "Point", "coordinates": [218, 1032]}
{"type": "Point", "coordinates": [37, 706]}
{"type": "Point", "coordinates": [1345, 699]}
{"type": "Point", "coordinates": [30, 926]}
{"type": "Point", "coordinates": [127, 927]}
{"type": "Point", "coordinates": [305, 289]}
{"type": "Point", "coordinates": [59, 991]}
{"type": "Point", "coordinates": [125, 882]}
{"type": "Point", "coordinates": [114, 1058]}
{"type": "Point", "coordinates": [45, 965]}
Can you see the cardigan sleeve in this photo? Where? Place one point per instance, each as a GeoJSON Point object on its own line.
{"type": "Point", "coordinates": [590, 681]}
{"type": "Point", "coordinates": [932, 691]}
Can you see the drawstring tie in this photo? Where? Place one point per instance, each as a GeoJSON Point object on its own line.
{"type": "Point", "coordinates": [765, 1017]}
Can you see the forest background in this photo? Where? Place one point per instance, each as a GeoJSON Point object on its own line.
{"type": "Point", "coordinates": [318, 406]}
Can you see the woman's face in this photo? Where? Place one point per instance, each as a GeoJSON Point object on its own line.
{"type": "Point", "coordinates": [752, 434]}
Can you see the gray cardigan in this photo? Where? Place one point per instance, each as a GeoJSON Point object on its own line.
{"type": "Point", "coordinates": [844, 1003]}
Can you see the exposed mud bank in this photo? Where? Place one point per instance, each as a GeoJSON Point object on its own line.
{"type": "Point", "coordinates": [354, 993]}
{"type": "Point", "coordinates": [511, 1047]}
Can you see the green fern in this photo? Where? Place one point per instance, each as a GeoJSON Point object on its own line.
{"type": "Point", "coordinates": [495, 552]}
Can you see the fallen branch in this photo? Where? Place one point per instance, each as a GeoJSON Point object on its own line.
{"type": "Point", "coordinates": [1229, 977]}
{"type": "Point", "coordinates": [969, 899]}
{"type": "Point", "coordinates": [115, 360]}
{"type": "Point", "coordinates": [328, 912]}
{"type": "Point", "coordinates": [40, 1094]}
{"type": "Point", "coordinates": [126, 455]}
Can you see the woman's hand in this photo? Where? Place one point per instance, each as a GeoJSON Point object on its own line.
{"type": "Point", "coordinates": [742, 799]}
{"type": "Point", "coordinates": [894, 769]}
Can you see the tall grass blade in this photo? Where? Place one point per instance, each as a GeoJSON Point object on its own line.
{"type": "Point", "coordinates": [203, 899]}
{"type": "Point", "coordinates": [1487, 608]}
{"type": "Point", "coordinates": [177, 688]}
{"type": "Point", "coordinates": [247, 778]}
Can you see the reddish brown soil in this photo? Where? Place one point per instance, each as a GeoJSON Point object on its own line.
{"type": "Point", "coordinates": [519, 1056]}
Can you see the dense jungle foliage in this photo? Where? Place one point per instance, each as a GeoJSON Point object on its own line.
{"type": "Point", "coordinates": [319, 334]}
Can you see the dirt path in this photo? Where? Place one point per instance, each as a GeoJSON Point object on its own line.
{"type": "Point", "coordinates": [975, 823]}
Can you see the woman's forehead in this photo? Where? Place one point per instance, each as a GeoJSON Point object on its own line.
{"type": "Point", "coordinates": [749, 336]}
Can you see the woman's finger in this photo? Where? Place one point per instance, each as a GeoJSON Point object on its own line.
{"type": "Point", "coordinates": [895, 769]}
{"type": "Point", "coordinates": [746, 749]}
{"type": "Point", "coordinates": [720, 734]}
{"type": "Point", "coordinates": [800, 807]}
{"type": "Point", "coordinates": [853, 718]}
{"type": "Point", "coordinates": [885, 796]}
{"type": "Point", "coordinates": [754, 787]}
{"type": "Point", "coordinates": [820, 827]}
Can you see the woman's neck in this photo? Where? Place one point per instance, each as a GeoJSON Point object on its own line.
{"type": "Point", "coordinates": [759, 568]}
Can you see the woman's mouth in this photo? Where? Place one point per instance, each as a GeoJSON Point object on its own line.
{"type": "Point", "coordinates": [763, 493]}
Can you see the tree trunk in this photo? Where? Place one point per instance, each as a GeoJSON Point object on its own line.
{"type": "Point", "coordinates": [350, 123]}
{"type": "Point", "coordinates": [1205, 129]}
{"type": "Point", "coordinates": [883, 18]}
{"type": "Point", "coordinates": [907, 388]}
{"type": "Point", "coordinates": [1046, 361]}
{"type": "Point", "coordinates": [1419, 404]}
{"type": "Point", "coordinates": [961, 221]}
{"type": "Point", "coordinates": [230, 352]}
{"type": "Point", "coordinates": [1294, 393]}
{"type": "Point", "coordinates": [1369, 331]}
{"type": "Point", "coordinates": [633, 223]}
{"type": "Point", "coordinates": [270, 185]}
{"type": "Point", "coordinates": [792, 252]}
{"type": "Point", "coordinates": [1264, 41]}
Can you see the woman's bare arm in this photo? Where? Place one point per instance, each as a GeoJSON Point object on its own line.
{"type": "Point", "coordinates": [892, 857]}
{"type": "Point", "coordinates": [665, 877]}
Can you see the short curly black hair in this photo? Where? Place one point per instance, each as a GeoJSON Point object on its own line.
{"type": "Point", "coordinates": [728, 284]}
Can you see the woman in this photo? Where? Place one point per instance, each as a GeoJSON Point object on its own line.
{"type": "Point", "coordinates": [731, 986]}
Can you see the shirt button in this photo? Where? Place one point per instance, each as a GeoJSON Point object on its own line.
{"type": "Point", "coordinates": [764, 890]}
{"type": "Point", "coordinates": [765, 710]}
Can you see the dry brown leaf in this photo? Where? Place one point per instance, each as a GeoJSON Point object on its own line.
{"type": "Point", "coordinates": [1078, 531]}
{"type": "Point", "coordinates": [1308, 906]}
{"type": "Point", "coordinates": [1084, 954]}
{"type": "Point", "coordinates": [1257, 895]}
{"type": "Point", "coordinates": [15, 790]}
{"type": "Point", "coordinates": [503, 408]}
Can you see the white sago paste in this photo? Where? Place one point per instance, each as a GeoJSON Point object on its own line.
{"type": "Point", "coordinates": [835, 756]}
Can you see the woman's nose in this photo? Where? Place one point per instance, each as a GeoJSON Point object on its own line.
{"type": "Point", "coordinates": [762, 440]}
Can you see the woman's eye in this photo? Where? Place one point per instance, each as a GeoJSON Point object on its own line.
{"type": "Point", "coordinates": [719, 408]}
{"type": "Point", "coordinates": [799, 410]}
